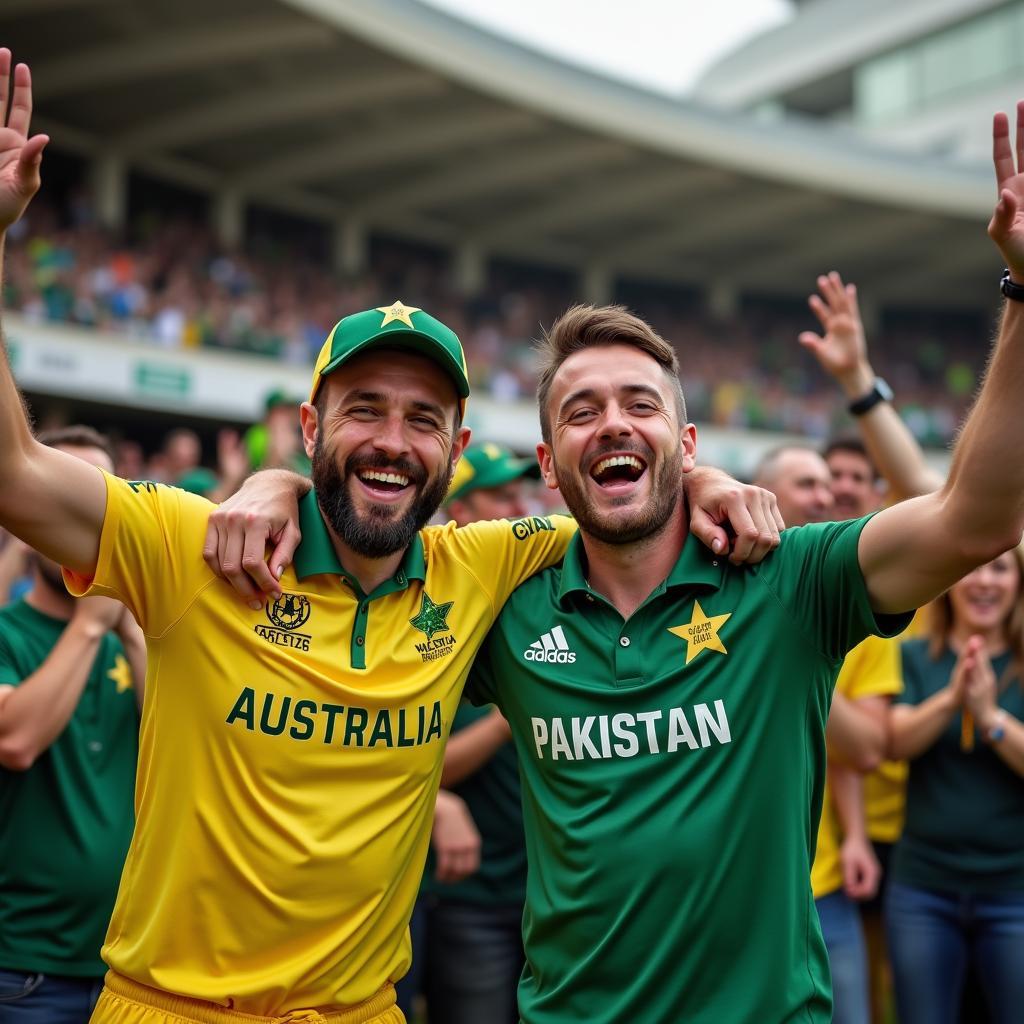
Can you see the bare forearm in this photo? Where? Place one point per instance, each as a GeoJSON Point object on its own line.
{"type": "Point", "coordinates": [915, 728]}
{"type": "Point", "coordinates": [1011, 747]}
{"type": "Point", "coordinates": [15, 433]}
{"type": "Point", "coordinates": [471, 748]}
{"type": "Point", "coordinates": [893, 448]}
{"type": "Point", "coordinates": [848, 795]}
{"type": "Point", "coordinates": [855, 738]}
{"type": "Point", "coordinates": [985, 492]}
{"type": "Point", "coordinates": [38, 710]}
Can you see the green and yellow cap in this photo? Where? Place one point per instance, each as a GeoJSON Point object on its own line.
{"type": "Point", "coordinates": [394, 326]}
{"type": "Point", "coordinates": [488, 465]}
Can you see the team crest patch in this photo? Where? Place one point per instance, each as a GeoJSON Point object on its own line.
{"type": "Point", "coordinates": [287, 615]}
{"type": "Point", "coordinates": [701, 632]}
{"type": "Point", "coordinates": [431, 621]}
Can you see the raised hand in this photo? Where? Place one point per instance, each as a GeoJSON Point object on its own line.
{"type": "Point", "coordinates": [842, 348]}
{"type": "Point", "coordinates": [1006, 228]}
{"type": "Point", "coordinates": [20, 155]}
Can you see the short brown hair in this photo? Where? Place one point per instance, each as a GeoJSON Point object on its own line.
{"type": "Point", "coordinates": [76, 436]}
{"type": "Point", "coordinates": [582, 327]}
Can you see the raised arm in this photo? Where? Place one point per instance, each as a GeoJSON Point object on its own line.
{"type": "Point", "coordinates": [912, 552]}
{"type": "Point", "coordinates": [842, 351]}
{"type": "Point", "coordinates": [51, 500]}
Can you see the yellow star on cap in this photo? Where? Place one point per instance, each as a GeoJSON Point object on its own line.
{"type": "Point", "coordinates": [121, 674]}
{"type": "Point", "coordinates": [701, 632]}
{"type": "Point", "coordinates": [398, 310]}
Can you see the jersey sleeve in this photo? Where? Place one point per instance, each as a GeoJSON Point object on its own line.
{"type": "Point", "coordinates": [480, 684]}
{"type": "Point", "coordinates": [151, 552]}
{"type": "Point", "coordinates": [871, 669]}
{"type": "Point", "coordinates": [502, 553]}
{"type": "Point", "coordinates": [816, 575]}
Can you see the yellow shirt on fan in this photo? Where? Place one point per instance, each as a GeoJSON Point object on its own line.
{"type": "Point", "coordinates": [289, 757]}
{"type": "Point", "coordinates": [871, 669]}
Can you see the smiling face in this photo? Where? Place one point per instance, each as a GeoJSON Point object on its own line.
{"type": "Point", "coordinates": [617, 451]}
{"type": "Point", "coordinates": [983, 599]}
{"type": "Point", "coordinates": [383, 444]}
{"type": "Point", "coordinates": [853, 484]}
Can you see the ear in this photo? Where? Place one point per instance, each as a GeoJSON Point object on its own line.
{"type": "Point", "coordinates": [688, 440]}
{"type": "Point", "coordinates": [309, 418]}
{"type": "Point", "coordinates": [459, 445]}
{"type": "Point", "coordinates": [547, 466]}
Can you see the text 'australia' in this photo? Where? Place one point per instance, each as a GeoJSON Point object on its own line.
{"type": "Point", "coordinates": [276, 715]}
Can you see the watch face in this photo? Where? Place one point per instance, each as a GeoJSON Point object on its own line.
{"type": "Point", "coordinates": [883, 389]}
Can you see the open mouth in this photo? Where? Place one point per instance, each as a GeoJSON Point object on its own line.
{"type": "Point", "coordinates": [383, 484]}
{"type": "Point", "coordinates": [618, 472]}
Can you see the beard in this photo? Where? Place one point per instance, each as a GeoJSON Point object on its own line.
{"type": "Point", "coordinates": [380, 531]}
{"type": "Point", "coordinates": [638, 524]}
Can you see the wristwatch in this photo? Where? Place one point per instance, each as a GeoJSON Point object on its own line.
{"type": "Point", "coordinates": [880, 392]}
{"type": "Point", "coordinates": [1010, 288]}
{"type": "Point", "coordinates": [997, 730]}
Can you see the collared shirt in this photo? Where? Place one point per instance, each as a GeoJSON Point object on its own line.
{"type": "Point", "coordinates": [672, 768]}
{"type": "Point", "coordinates": [66, 822]}
{"type": "Point", "coordinates": [289, 757]}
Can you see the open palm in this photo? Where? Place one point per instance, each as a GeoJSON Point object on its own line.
{"type": "Point", "coordinates": [20, 155]}
{"type": "Point", "coordinates": [1007, 225]}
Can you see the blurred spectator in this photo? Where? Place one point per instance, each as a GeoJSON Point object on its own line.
{"type": "Point", "coordinates": [956, 896]}
{"type": "Point", "coordinates": [70, 672]}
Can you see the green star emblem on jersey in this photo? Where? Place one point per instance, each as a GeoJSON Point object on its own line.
{"type": "Point", "coordinates": [433, 618]}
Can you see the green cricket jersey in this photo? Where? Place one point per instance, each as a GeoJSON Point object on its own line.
{"type": "Point", "coordinates": [964, 831]}
{"type": "Point", "coordinates": [65, 824]}
{"type": "Point", "coordinates": [672, 769]}
{"type": "Point", "coordinates": [493, 798]}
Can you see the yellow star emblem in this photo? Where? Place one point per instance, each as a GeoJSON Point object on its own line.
{"type": "Point", "coordinates": [701, 632]}
{"type": "Point", "coordinates": [121, 674]}
{"type": "Point", "coordinates": [398, 310]}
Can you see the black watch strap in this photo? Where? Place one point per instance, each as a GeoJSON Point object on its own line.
{"type": "Point", "coordinates": [1010, 288]}
{"type": "Point", "coordinates": [880, 392]}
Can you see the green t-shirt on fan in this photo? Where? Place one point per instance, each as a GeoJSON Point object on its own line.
{"type": "Point", "coordinates": [493, 798]}
{"type": "Point", "coordinates": [964, 830]}
{"type": "Point", "coordinates": [67, 821]}
{"type": "Point", "coordinates": [672, 769]}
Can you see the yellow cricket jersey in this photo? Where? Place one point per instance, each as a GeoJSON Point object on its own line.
{"type": "Point", "coordinates": [871, 669]}
{"type": "Point", "coordinates": [289, 757]}
{"type": "Point", "coordinates": [885, 789]}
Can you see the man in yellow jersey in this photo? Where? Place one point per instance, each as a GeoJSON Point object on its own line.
{"type": "Point", "coordinates": [290, 750]}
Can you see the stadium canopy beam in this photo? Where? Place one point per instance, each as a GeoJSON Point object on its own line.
{"type": "Point", "coordinates": [395, 142]}
{"type": "Point", "coordinates": [213, 45]}
{"type": "Point", "coordinates": [304, 101]}
{"type": "Point", "coordinates": [19, 8]}
{"type": "Point", "coordinates": [614, 195]}
{"type": "Point", "coordinates": [525, 166]}
{"type": "Point", "coordinates": [755, 211]}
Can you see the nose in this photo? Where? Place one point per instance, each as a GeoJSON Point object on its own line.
{"type": "Point", "coordinates": [390, 437]}
{"type": "Point", "coordinates": [614, 422]}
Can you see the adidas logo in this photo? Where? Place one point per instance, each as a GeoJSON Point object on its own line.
{"type": "Point", "coordinates": [551, 647]}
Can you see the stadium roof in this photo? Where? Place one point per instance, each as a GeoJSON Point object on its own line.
{"type": "Point", "coordinates": [411, 122]}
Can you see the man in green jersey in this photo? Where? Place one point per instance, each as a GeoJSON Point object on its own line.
{"type": "Point", "coordinates": [68, 745]}
{"type": "Point", "coordinates": [669, 709]}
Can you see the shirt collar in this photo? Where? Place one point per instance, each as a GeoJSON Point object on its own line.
{"type": "Point", "coordinates": [696, 566]}
{"type": "Point", "coordinates": [315, 553]}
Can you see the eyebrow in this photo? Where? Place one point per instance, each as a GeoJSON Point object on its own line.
{"type": "Point", "coordinates": [379, 398]}
{"type": "Point", "coordinates": [630, 389]}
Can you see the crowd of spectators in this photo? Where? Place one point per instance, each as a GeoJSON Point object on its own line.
{"type": "Point", "coordinates": [171, 284]}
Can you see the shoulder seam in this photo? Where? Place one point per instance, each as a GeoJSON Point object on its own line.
{"type": "Point", "coordinates": [479, 583]}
